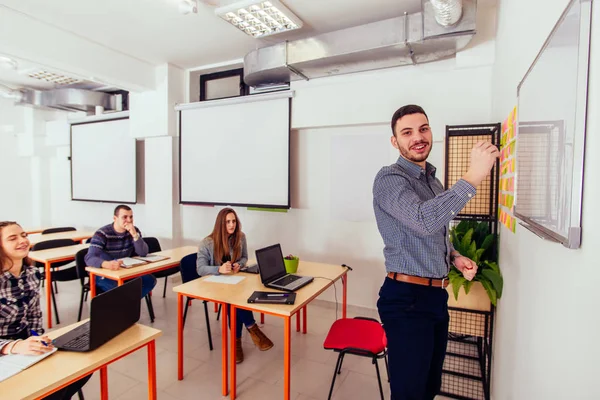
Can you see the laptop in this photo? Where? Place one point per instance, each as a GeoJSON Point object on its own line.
{"type": "Point", "coordinates": [273, 273]}
{"type": "Point", "coordinates": [111, 313]}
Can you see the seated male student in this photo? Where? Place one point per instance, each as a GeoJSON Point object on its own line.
{"type": "Point", "coordinates": [115, 241]}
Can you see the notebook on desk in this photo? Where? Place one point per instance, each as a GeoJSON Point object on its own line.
{"type": "Point", "coordinates": [272, 298]}
{"type": "Point", "coordinates": [129, 262]}
{"type": "Point", "coordinates": [13, 364]}
{"type": "Point", "coordinates": [151, 258]}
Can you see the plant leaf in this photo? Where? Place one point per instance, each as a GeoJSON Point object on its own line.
{"type": "Point", "coordinates": [462, 227]}
{"type": "Point", "coordinates": [492, 265]}
{"type": "Point", "coordinates": [472, 250]}
{"type": "Point", "coordinates": [467, 285]}
{"type": "Point", "coordinates": [466, 240]}
{"type": "Point", "coordinates": [489, 239]}
{"type": "Point", "coordinates": [487, 285]}
{"type": "Point", "coordinates": [478, 254]}
{"type": "Point", "coordinates": [456, 283]}
{"type": "Point", "coordinates": [496, 280]}
{"type": "Point", "coordinates": [453, 272]}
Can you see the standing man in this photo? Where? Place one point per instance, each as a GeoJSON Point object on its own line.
{"type": "Point", "coordinates": [115, 241]}
{"type": "Point", "coordinates": [413, 212]}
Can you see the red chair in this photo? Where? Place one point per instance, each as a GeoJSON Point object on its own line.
{"type": "Point", "coordinates": [359, 336]}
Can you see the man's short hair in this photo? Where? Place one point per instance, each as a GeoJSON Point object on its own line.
{"type": "Point", "coordinates": [406, 110]}
{"type": "Point", "coordinates": [121, 207]}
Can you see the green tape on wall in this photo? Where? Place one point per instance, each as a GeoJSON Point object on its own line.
{"type": "Point", "coordinates": [281, 210]}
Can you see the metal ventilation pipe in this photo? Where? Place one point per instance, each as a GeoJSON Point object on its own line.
{"type": "Point", "coordinates": [9, 93]}
{"type": "Point", "coordinates": [447, 12]}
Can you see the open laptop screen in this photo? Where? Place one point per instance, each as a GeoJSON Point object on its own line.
{"type": "Point", "coordinates": [270, 263]}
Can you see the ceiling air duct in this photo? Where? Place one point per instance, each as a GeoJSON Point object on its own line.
{"type": "Point", "coordinates": [69, 99]}
{"type": "Point", "coordinates": [439, 31]}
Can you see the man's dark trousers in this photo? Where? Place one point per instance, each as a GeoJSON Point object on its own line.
{"type": "Point", "coordinates": [415, 319]}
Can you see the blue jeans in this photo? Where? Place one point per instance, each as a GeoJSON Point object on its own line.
{"type": "Point", "coordinates": [104, 285]}
{"type": "Point", "coordinates": [415, 319]}
{"type": "Point", "coordinates": [242, 318]}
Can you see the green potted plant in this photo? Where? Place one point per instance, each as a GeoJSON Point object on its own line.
{"type": "Point", "coordinates": [473, 240]}
{"type": "Point", "coordinates": [291, 263]}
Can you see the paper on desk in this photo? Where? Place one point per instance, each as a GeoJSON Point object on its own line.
{"type": "Point", "coordinates": [13, 364]}
{"type": "Point", "coordinates": [131, 262]}
{"type": "Point", "coordinates": [228, 279]}
{"type": "Point", "coordinates": [152, 258]}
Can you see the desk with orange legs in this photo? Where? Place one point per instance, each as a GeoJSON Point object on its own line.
{"type": "Point", "coordinates": [49, 257]}
{"type": "Point", "coordinates": [78, 236]}
{"type": "Point", "coordinates": [123, 274]}
{"type": "Point", "coordinates": [65, 367]}
{"type": "Point", "coordinates": [237, 296]}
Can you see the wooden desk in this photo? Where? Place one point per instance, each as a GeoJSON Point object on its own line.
{"type": "Point", "coordinates": [237, 296]}
{"type": "Point", "coordinates": [48, 257]}
{"type": "Point", "coordinates": [31, 231]}
{"type": "Point", "coordinates": [175, 256]}
{"type": "Point", "coordinates": [78, 236]}
{"type": "Point", "coordinates": [65, 367]}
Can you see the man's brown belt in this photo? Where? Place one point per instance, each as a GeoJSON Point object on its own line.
{"type": "Point", "coordinates": [439, 283]}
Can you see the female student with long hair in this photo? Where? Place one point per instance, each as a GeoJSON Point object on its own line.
{"type": "Point", "coordinates": [20, 312]}
{"type": "Point", "coordinates": [225, 251]}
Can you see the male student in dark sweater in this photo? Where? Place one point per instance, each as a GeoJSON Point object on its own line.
{"type": "Point", "coordinates": [115, 241]}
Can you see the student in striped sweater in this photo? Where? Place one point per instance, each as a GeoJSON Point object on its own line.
{"type": "Point", "coordinates": [115, 241]}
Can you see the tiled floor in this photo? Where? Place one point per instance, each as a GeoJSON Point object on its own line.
{"type": "Point", "coordinates": [260, 376]}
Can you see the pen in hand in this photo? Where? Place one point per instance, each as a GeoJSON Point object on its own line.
{"type": "Point", "coordinates": [34, 333]}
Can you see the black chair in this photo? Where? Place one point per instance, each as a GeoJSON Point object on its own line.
{"type": "Point", "coordinates": [188, 273]}
{"type": "Point", "coordinates": [84, 279]}
{"type": "Point", "coordinates": [58, 275]}
{"type": "Point", "coordinates": [58, 230]}
{"type": "Point", "coordinates": [153, 247]}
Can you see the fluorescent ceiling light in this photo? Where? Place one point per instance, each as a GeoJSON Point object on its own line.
{"type": "Point", "coordinates": [51, 77]}
{"type": "Point", "coordinates": [259, 18]}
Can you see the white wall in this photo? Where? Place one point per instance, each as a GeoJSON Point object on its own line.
{"type": "Point", "coordinates": [15, 202]}
{"type": "Point", "coordinates": [24, 164]}
{"type": "Point", "coordinates": [545, 344]}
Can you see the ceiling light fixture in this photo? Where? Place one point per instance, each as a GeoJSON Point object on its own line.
{"type": "Point", "coordinates": [8, 63]}
{"type": "Point", "coordinates": [188, 6]}
{"type": "Point", "coordinates": [52, 77]}
{"type": "Point", "coordinates": [259, 18]}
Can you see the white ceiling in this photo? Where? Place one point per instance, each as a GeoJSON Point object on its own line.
{"type": "Point", "coordinates": [154, 31]}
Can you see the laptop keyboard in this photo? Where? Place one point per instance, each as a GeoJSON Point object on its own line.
{"type": "Point", "coordinates": [82, 340]}
{"type": "Point", "coordinates": [286, 280]}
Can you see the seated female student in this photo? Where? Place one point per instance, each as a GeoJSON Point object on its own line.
{"type": "Point", "coordinates": [225, 251]}
{"type": "Point", "coordinates": [20, 312]}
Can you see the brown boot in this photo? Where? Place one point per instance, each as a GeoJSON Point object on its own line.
{"type": "Point", "coordinates": [260, 340]}
{"type": "Point", "coordinates": [239, 353]}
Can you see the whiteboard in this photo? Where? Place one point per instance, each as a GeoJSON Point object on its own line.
{"type": "Point", "coordinates": [103, 162]}
{"type": "Point", "coordinates": [551, 125]}
{"type": "Point", "coordinates": [236, 151]}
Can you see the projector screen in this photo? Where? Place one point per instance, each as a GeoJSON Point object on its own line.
{"type": "Point", "coordinates": [103, 161]}
{"type": "Point", "coordinates": [236, 151]}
